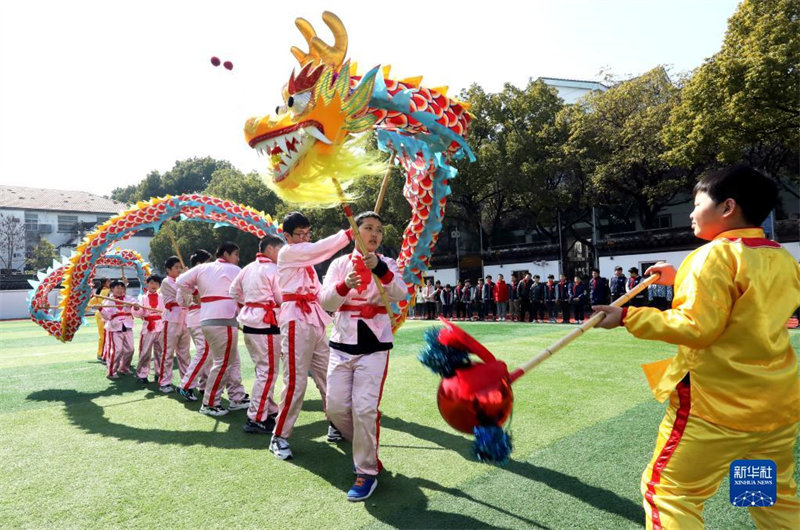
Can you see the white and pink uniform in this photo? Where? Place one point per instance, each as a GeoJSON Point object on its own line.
{"type": "Point", "coordinates": [119, 324]}
{"type": "Point", "coordinates": [197, 372]}
{"type": "Point", "coordinates": [176, 340]}
{"type": "Point", "coordinates": [152, 332]}
{"type": "Point", "coordinates": [304, 344]}
{"type": "Point", "coordinates": [218, 320]}
{"type": "Point", "coordinates": [359, 358]}
{"type": "Point", "coordinates": [256, 286]}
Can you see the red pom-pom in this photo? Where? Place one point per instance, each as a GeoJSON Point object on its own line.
{"type": "Point", "coordinates": [215, 61]}
{"type": "Point", "coordinates": [228, 65]}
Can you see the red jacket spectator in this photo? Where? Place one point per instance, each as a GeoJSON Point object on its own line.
{"type": "Point", "coordinates": [501, 291]}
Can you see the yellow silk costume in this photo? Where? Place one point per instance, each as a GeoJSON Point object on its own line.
{"type": "Point", "coordinates": [741, 399]}
{"type": "Point", "coordinates": [96, 303]}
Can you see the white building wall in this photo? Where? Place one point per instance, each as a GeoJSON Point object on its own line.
{"type": "Point", "coordinates": [443, 275]}
{"type": "Point", "coordinates": [14, 304]}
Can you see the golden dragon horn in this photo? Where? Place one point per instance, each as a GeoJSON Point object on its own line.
{"type": "Point", "coordinates": [318, 51]}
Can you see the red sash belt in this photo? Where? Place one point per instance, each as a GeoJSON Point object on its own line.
{"type": "Point", "coordinates": [171, 305]}
{"type": "Point", "coordinates": [303, 300]}
{"type": "Point", "coordinates": [269, 311]}
{"type": "Point", "coordinates": [214, 298]}
{"type": "Point", "coordinates": [193, 307]}
{"type": "Point", "coordinates": [365, 310]}
{"type": "Point", "coordinates": [151, 321]}
{"type": "Point", "coordinates": [118, 315]}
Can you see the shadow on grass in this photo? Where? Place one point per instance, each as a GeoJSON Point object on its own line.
{"type": "Point", "coordinates": [400, 502]}
{"type": "Point", "coordinates": [600, 498]}
{"type": "Point", "coordinates": [85, 414]}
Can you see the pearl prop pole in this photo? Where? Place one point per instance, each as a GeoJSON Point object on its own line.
{"type": "Point", "coordinates": [362, 247]}
{"type": "Point", "coordinates": [123, 302]}
{"type": "Point", "coordinates": [586, 326]}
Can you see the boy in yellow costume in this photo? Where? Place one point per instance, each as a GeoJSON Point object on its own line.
{"type": "Point", "coordinates": [733, 387]}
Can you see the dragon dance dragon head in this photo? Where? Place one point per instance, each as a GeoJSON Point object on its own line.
{"type": "Point", "coordinates": [317, 132]}
{"type": "Point", "coordinates": [313, 134]}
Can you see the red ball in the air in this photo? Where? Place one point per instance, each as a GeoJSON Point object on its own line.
{"type": "Point", "coordinates": [228, 65]}
{"type": "Point", "coordinates": [478, 395]}
{"type": "Point", "coordinates": [215, 61]}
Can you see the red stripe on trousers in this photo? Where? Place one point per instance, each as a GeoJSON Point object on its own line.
{"type": "Point", "coordinates": [678, 427]}
{"type": "Point", "coordinates": [270, 376]}
{"type": "Point", "coordinates": [105, 345]}
{"type": "Point", "coordinates": [163, 356]}
{"type": "Point", "coordinates": [287, 403]}
{"type": "Point", "coordinates": [378, 418]}
{"type": "Point", "coordinates": [222, 369]}
{"type": "Point", "coordinates": [197, 367]}
{"type": "Point", "coordinates": [111, 354]}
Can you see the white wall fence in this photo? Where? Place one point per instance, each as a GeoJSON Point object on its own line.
{"type": "Point", "coordinates": [14, 303]}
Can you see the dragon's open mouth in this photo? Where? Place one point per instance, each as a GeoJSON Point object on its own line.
{"type": "Point", "coordinates": [287, 146]}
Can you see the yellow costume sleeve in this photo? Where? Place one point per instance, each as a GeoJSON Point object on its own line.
{"type": "Point", "coordinates": [704, 295]}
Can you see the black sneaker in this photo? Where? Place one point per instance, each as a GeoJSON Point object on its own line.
{"type": "Point", "coordinates": [187, 394]}
{"type": "Point", "coordinates": [143, 380]}
{"type": "Point", "coordinates": [257, 427]}
{"type": "Point", "coordinates": [334, 434]}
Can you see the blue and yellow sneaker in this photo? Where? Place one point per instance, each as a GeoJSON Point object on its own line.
{"type": "Point", "coordinates": [362, 489]}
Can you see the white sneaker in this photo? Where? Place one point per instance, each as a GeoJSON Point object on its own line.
{"type": "Point", "coordinates": [241, 404]}
{"type": "Point", "coordinates": [280, 448]}
{"type": "Point", "coordinates": [166, 389]}
{"type": "Point", "coordinates": [212, 411]}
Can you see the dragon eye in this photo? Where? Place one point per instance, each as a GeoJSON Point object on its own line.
{"type": "Point", "coordinates": [298, 102]}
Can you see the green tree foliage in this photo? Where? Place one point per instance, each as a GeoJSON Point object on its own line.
{"type": "Point", "coordinates": [41, 256]}
{"type": "Point", "coordinates": [743, 104]}
{"type": "Point", "coordinates": [226, 183]}
{"type": "Point", "coordinates": [618, 139]}
{"type": "Point", "coordinates": [187, 176]}
{"type": "Point", "coordinates": [513, 135]}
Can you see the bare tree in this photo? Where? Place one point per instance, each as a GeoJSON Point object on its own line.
{"type": "Point", "coordinates": [12, 238]}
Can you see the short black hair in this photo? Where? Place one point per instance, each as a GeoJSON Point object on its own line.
{"type": "Point", "coordinates": [171, 261]}
{"type": "Point", "coordinates": [226, 246]}
{"type": "Point", "coordinates": [99, 283]}
{"type": "Point", "coordinates": [270, 241]}
{"type": "Point", "coordinates": [755, 193]}
{"type": "Point", "coordinates": [153, 278]}
{"type": "Point", "coordinates": [199, 256]}
{"type": "Point", "coordinates": [114, 283]}
{"type": "Point", "coordinates": [551, 276]}
{"type": "Point", "coordinates": [369, 214]}
{"type": "Point", "coordinates": [594, 269]}
{"type": "Point", "coordinates": [294, 220]}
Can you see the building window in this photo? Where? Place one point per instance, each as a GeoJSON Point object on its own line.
{"type": "Point", "coordinates": [31, 222]}
{"type": "Point", "coordinates": [102, 219]}
{"type": "Point", "coordinates": [66, 223]}
{"type": "Point", "coordinates": [664, 221]}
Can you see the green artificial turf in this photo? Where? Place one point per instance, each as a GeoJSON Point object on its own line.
{"type": "Point", "coordinates": [79, 451]}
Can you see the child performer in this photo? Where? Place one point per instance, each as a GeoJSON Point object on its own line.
{"type": "Point", "coordinates": [733, 387]}
{"type": "Point", "coordinates": [256, 287]}
{"type": "Point", "coordinates": [102, 289]}
{"type": "Point", "coordinates": [176, 337]}
{"type": "Point", "coordinates": [152, 332]}
{"type": "Point", "coordinates": [304, 344]}
{"type": "Point", "coordinates": [119, 323]}
{"type": "Point", "coordinates": [360, 344]}
{"type": "Point", "coordinates": [197, 372]}
{"type": "Point", "coordinates": [218, 321]}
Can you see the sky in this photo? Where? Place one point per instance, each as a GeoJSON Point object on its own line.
{"type": "Point", "coordinates": [95, 95]}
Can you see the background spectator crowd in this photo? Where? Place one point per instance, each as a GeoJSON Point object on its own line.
{"type": "Point", "coordinates": [530, 299]}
